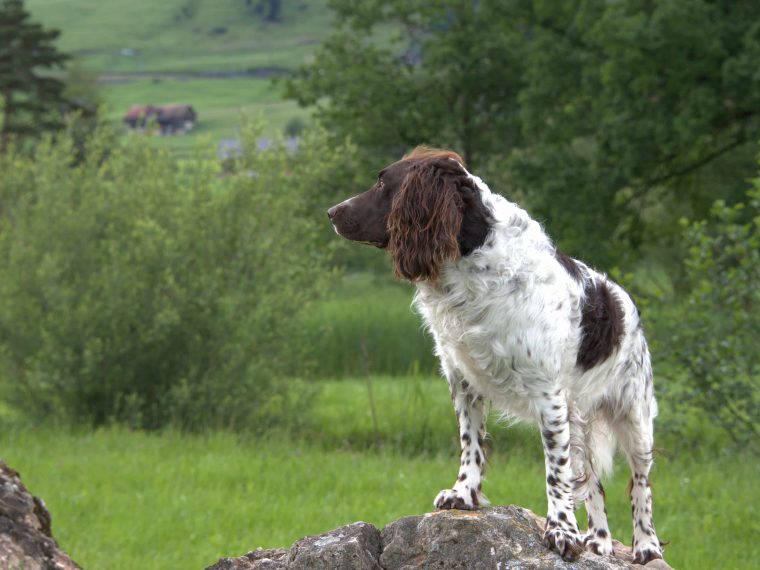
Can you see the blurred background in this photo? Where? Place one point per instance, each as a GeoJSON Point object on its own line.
{"type": "Point", "coordinates": [192, 364]}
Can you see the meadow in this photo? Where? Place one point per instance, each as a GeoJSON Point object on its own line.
{"type": "Point", "coordinates": [215, 56]}
{"type": "Point", "coordinates": [184, 35]}
{"type": "Point", "coordinates": [220, 104]}
{"type": "Point", "coordinates": [125, 499]}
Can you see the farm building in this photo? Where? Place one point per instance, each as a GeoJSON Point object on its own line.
{"type": "Point", "coordinates": [170, 119]}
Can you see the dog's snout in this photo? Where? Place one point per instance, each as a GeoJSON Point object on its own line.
{"type": "Point", "coordinates": [331, 212]}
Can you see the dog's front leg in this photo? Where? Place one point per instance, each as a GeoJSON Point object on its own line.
{"type": "Point", "coordinates": [561, 533]}
{"type": "Point", "coordinates": [466, 492]}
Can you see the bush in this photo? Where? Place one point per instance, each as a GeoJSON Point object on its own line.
{"type": "Point", "coordinates": [369, 327]}
{"type": "Point", "coordinates": [712, 333]}
{"type": "Point", "coordinates": [143, 289]}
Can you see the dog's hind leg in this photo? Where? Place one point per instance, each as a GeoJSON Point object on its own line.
{"type": "Point", "coordinates": [634, 432]}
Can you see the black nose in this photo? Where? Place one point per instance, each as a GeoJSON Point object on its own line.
{"type": "Point", "coordinates": [331, 212]}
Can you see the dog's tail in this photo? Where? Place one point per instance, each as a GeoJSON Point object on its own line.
{"type": "Point", "coordinates": [593, 451]}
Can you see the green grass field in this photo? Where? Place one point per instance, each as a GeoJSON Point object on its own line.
{"type": "Point", "coordinates": [219, 104]}
{"type": "Point", "coordinates": [174, 39]}
{"type": "Point", "coordinates": [123, 500]}
{"type": "Point", "coordinates": [184, 35]}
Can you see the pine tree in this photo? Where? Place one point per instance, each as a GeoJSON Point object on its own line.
{"type": "Point", "coordinates": [31, 101]}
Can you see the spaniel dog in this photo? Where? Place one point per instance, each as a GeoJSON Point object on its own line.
{"type": "Point", "coordinates": [516, 322]}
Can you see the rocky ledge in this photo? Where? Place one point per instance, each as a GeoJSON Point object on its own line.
{"type": "Point", "coordinates": [26, 540]}
{"type": "Point", "coordinates": [497, 538]}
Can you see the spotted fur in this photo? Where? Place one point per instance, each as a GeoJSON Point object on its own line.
{"type": "Point", "coordinates": [541, 336]}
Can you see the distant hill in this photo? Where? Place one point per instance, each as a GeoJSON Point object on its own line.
{"type": "Point", "coordinates": [212, 54]}
{"type": "Point", "coordinates": [185, 35]}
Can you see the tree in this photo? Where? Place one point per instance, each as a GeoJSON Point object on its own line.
{"type": "Point", "coordinates": [31, 101]}
{"type": "Point", "coordinates": [637, 104]}
{"type": "Point", "coordinates": [439, 80]}
{"type": "Point", "coordinates": [598, 113]}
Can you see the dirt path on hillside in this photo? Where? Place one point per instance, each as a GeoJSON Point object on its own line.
{"type": "Point", "coordinates": [113, 78]}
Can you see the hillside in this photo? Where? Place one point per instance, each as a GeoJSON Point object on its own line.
{"type": "Point", "coordinates": [184, 35]}
{"type": "Point", "coordinates": [213, 54]}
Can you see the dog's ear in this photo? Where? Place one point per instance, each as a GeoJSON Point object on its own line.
{"type": "Point", "coordinates": [425, 219]}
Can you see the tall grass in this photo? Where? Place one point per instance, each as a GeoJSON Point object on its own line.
{"type": "Point", "coordinates": [368, 327]}
{"type": "Point", "coordinates": [412, 415]}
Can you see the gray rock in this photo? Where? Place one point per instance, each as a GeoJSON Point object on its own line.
{"type": "Point", "coordinates": [26, 540]}
{"type": "Point", "coordinates": [352, 547]}
{"type": "Point", "coordinates": [259, 559]}
{"type": "Point", "coordinates": [497, 538]}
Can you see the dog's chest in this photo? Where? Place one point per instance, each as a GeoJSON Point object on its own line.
{"type": "Point", "coordinates": [489, 341]}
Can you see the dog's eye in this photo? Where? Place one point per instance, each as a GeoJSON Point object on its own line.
{"type": "Point", "coordinates": [380, 184]}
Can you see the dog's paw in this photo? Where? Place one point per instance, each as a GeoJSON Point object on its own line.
{"type": "Point", "coordinates": [646, 554]}
{"type": "Point", "coordinates": [457, 499]}
{"type": "Point", "coordinates": [598, 541]}
{"type": "Point", "coordinates": [566, 543]}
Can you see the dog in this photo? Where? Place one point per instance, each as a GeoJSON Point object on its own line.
{"type": "Point", "coordinates": [541, 336]}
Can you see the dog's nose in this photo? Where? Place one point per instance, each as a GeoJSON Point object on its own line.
{"type": "Point", "coordinates": [331, 212]}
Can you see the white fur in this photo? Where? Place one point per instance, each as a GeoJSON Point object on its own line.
{"type": "Point", "coordinates": [506, 320]}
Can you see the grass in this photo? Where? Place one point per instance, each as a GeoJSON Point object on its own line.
{"type": "Point", "coordinates": [183, 35]}
{"type": "Point", "coordinates": [355, 333]}
{"type": "Point", "coordinates": [124, 41]}
{"type": "Point", "coordinates": [176, 36]}
{"type": "Point", "coordinates": [219, 105]}
{"type": "Point", "coordinates": [124, 499]}
{"type": "Point", "coordinates": [412, 415]}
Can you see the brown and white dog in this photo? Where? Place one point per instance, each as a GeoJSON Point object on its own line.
{"type": "Point", "coordinates": [541, 336]}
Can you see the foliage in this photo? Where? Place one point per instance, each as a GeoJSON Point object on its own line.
{"type": "Point", "coordinates": [713, 331]}
{"type": "Point", "coordinates": [84, 101]}
{"type": "Point", "coordinates": [81, 91]}
{"type": "Point", "coordinates": [30, 101]}
{"type": "Point", "coordinates": [440, 81]}
{"type": "Point", "coordinates": [141, 289]}
{"type": "Point", "coordinates": [367, 326]}
{"type": "Point", "coordinates": [595, 111]}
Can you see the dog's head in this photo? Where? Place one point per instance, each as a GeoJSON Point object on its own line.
{"type": "Point", "coordinates": [424, 209]}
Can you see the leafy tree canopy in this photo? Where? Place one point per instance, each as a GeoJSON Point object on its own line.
{"type": "Point", "coordinates": [595, 112]}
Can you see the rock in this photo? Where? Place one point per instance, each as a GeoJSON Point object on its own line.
{"type": "Point", "coordinates": [259, 559]}
{"type": "Point", "coordinates": [497, 538]}
{"type": "Point", "coordinates": [352, 547]}
{"type": "Point", "coordinates": [26, 540]}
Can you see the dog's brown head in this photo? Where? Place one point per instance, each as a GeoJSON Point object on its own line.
{"type": "Point", "coordinates": [424, 209]}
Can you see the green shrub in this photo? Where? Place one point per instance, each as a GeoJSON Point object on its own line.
{"type": "Point", "coordinates": [147, 290]}
{"type": "Point", "coordinates": [710, 336]}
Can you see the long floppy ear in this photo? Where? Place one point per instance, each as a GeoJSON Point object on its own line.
{"type": "Point", "coordinates": [425, 219]}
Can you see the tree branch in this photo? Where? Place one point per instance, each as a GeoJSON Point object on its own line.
{"type": "Point", "coordinates": [696, 165]}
